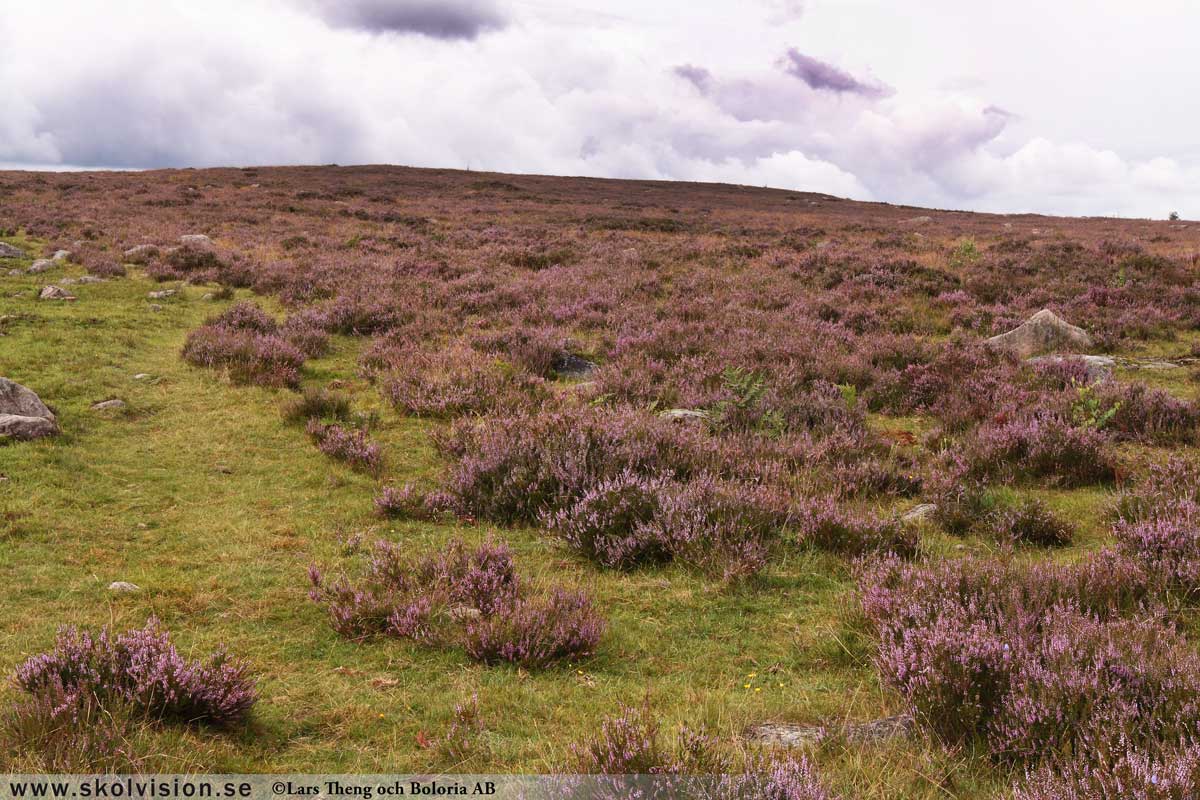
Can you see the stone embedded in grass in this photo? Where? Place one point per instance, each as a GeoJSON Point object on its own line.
{"type": "Point", "coordinates": [109, 405]}
{"type": "Point", "coordinates": [60, 255]}
{"type": "Point", "coordinates": [792, 735]}
{"type": "Point", "coordinates": [55, 293]}
{"type": "Point", "coordinates": [8, 251]}
{"type": "Point", "coordinates": [41, 265]}
{"type": "Point", "coordinates": [140, 254]}
{"type": "Point", "coordinates": [161, 295]}
{"type": "Point", "coordinates": [918, 513]}
{"type": "Point", "coordinates": [569, 365]}
{"type": "Point", "coordinates": [23, 415]}
{"type": "Point", "coordinates": [1044, 332]}
{"type": "Point", "coordinates": [89, 279]}
{"type": "Point", "coordinates": [195, 240]}
{"type": "Point", "coordinates": [142, 376]}
{"type": "Point", "coordinates": [684, 414]}
{"type": "Point", "coordinates": [123, 587]}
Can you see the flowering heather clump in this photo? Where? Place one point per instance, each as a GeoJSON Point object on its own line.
{"type": "Point", "coordinates": [608, 523]}
{"type": "Point", "coordinates": [241, 341]}
{"type": "Point", "coordinates": [1032, 523]}
{"type": "Point", "coordinates": [349, 445]}
{"type": "Point", "coordinates": [821, 524]}
{"type": "Point", "coordinates": [1034, 662]}
{"type": "Point", "coordinates": [1168, 544]}
{"type": "Point", "coordinates": [1043, 446]}
{"type": "Point", "coordinates": [962, 501]}
{"type": "Point", "coordinates": [65, 730]}
{"type": "Point", "coordinates": [143, 670]}
{"type": "Point", "coordinates": [460, 597]}
{"type": "Point", "coordinates": [405, 502]}
{"type": "Point", "coordinates": [463, 739]}
{"type": "Point", "coordinates": [1149, 415]}
{"type": "Point", "coordinates": [1163, 773]}
{"type": "Point", "coordinates": [537, 632]}
{"type": "Point", "coordinates": [625, 744]}
{"type": "Point", "coordinates": [1167, 487]}
{"type": "Point", "coordinates": [453, 382]}
{"type": "Point", "coordinates": [106, 269]}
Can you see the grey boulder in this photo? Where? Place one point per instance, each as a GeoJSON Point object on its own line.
{"type": "Point", "coordinates": [108, 405]}
{"type": "Point", "coordinates": [55, 293]}
{"type": "Point", "coordinates": [41, 265]}
{"type": "Point", "coordinates": [195, 240]}
{"type": "Point", "coordinates": [1044, 332]}
{"type": "Point", "coordinates": [8, 251]}
{"type": "Point", "coordinates": [23, 415]}
{"type": "Point", "coordinates": [141, 253]}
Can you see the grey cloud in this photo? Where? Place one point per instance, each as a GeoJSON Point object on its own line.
{"type": "Point", "coordinates": [439, 19]}
{"type": "Point", "coordinates": [822, 76]}
{"type": "Point", "coordinates": [697, 76]}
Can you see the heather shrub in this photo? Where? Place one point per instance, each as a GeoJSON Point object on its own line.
{"type": "Point", "coordinates": [316, 403]}
{"type": "Point", "coordinates": [962, 501]}
{"type": "Point", "coordinates": [248, 357]}
{"type": "Point", "coordinates": [1044, 446]}
{"type": "Point", "coordinates": [1169, 772]}
{"type": "Point", "coordinates": [460, 597]}
{"type": "Point", "coordinates": [66, 730]}
{"type": "Point", "coordinates": [464, 737]}
{"type": "Point", "coordinates": [608, 523]}
{"type": "Point", "coordinates": [405, 502]}
{"type": "Point", "coordinates": [245, 316]}
{"type": "Point", "coordinates": [107, 269]}
{"type": "Point", "coordinates": [1165, 488]}
{"type": "Point", "coordinates": [350, 445]}
{"type": "Point", "coordinates": [453, 382]}
{"type": "Point", "coordinates": [821, 524]}
{"type": "Point", "coordinates": [1150, 415]}
{"type": "Point", "coordinates": [537, 632]}
{"type": "Point", "coordinates": [141, 669]}
{"type": "Point", "coordinates": [305, 337]}
{"type": "Point", "coordinates": [1168, 544]}
{"type": "Point", "coordinates": [625, 744]}
{"type": "Point", "coordinates": [1031, 522]}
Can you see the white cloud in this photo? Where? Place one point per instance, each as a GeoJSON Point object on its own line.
{"type": "Point", "coordinates": [536, 87]}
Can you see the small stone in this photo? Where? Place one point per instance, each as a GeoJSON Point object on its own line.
{"type": "Point", "coordinates": [684, 414]}
{"type": "Point", "coordinates": [90, 279]}
{"type": "Point", "coordinates": [12, 273]}
{"type": "Point", "coordinates": [464, 613]}
{"type": "Point", "coordinates": [195, 240]}
{"type": "Point", "coordinates": [142, 376]}
{"type": "Point", "coordinates": [8, 251]}
{"type": "Point", "coordinates": [207, 297]}
{"type": "Point", "coordinates": [55, 293]}
{"type": "Point", "coordinates": [569, 365]}
{"type": "Point", "coordinates": [109, 405]}
{"type": "Point", "coordinates": [161, 295]}
{"type": "Point", "coordinates": [41, 265]}
{"type": "Point", "coordinates": [140, 254]}
{"type": "Point", "coordinates": [918, 220]}
{"type": "Point", "coordinates": [123, 587]}
{"type": "Point", "coordinates": [874, 731]}
{"type": "Point", "coordinates": [61, 255]}
{"type": "Point", "coordinates": [918, 513]}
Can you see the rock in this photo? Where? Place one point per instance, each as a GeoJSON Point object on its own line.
{"type": "Point", "coordinates": [918, 513]}
{"type": "Point", "coordinates": [1152, 364]}
{"type": "Point", "coordinates": [68, 282]}
{"type": "Point", "coordinates": [60, 255]}
{"type": "Point", "coordinates": [12, 273]}
{"type": "Point", "coordinates": [918, 221]}
{"type": "Point", "coordinates": [208, 297]}
{"type": "Point", "coordinates": [788, 735]}
{"type": "Point", "coordinates": [90, 279]}
{"type": "Point", "coordinates": [141, 253]}
{"type": "Point", "coordinates": [631, 255]}
{"type": "Point", "coordinates": [195, 240]}
{"type": "Point", "coordinates": [108, 405]}
{"type": "Point", "coordinates": [569, 365]}
{"type": "Point", "coordinates": [1097, 367]}
{"type": "Point", "coordinates": [464, 613]}
{"type": "Point", "coordinates": [23, 415]}
{"type": "Point", "coordinates": [1044, 332]}
{"type": "Point", "coordinates": [55, 293]}
{"type": "Point", "coordinates": [1008, 226]}
{"type": "Point", "coordinates": [163, 295]}
{"type": "Point", "coordinates": [8, 251]}
{"type": "Point", "coordinates": [684, 414]}
{"type": "Point", "coordinates": [41, 265]}
{"type": "Point", "coordinates": [123, 587]}
{"type": "Point", "coordinates": [142, 376]}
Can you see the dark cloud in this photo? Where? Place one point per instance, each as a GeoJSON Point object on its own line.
{"type": "Point", "coordinates": [439, 19]}
{"type": "Point", "coordinates": [697, 76]}
{"type": "Point", "coordinates": [822, 76]}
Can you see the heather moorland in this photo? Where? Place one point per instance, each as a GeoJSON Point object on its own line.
{"type": "Point", "coordinates": [373, 469]}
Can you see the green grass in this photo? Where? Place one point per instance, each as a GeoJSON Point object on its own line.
{"type": "Point", "coordinates": [202, 495]}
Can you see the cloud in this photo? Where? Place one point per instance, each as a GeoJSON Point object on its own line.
{"type": "Point", "coordinates": [439, 19]}
{"type": "Point", "coordinates": [152, 83]}
{"type": "Point", "coordinates": [822, 76]}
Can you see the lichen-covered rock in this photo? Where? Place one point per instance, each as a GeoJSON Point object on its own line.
{"type": "Point", "coordinates": [55, 293]}
{"type": "Point", "coordinates": [8, 251]}
{"type": "Point", "coordinates": [1044, 332]}
{"type": "Point", "coordinates": [41, 265]}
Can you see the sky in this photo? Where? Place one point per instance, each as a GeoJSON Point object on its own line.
{"type": "Point", "coordinates": [1078, 107]}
